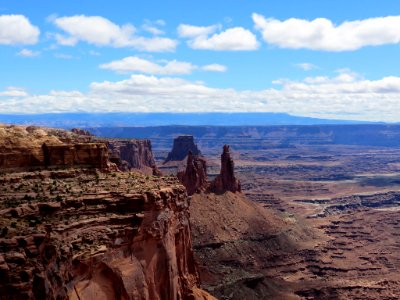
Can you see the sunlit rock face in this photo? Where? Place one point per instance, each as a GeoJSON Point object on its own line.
{"type": "Point", "coordinates": [71, 229]}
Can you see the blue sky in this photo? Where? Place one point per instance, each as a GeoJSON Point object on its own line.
{"type": "Point", "coordinates": [332, 59]}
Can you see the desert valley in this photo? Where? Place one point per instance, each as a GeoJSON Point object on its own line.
{"type": "Point", "coordinates": [199, 150]}
{"type": "Point", "coordinates": [289, 212]}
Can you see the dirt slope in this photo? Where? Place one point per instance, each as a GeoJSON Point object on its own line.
{"type": "Point", "coordinates": [235, 241]}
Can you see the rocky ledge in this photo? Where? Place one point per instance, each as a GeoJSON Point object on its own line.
{"type": "Point", "coordinates": [29, 148]}
{"type": "Point", "coordinates": [79, 235]}
{"type": "Point", "coordinates": [73, 227]}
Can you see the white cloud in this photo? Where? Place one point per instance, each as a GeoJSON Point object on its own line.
{"type": "Point", "coordinates": [12, 91]}
{"type": "Point", "coordinates": [306, 66]}
{"type": "Point", "coordinates": [215, 68]}
{"type": "Point", "coordinates": [17, 30]}
{"type": "Point", "coordinates": [207, 38]}
{"type": "Point", "coordinates": [100, 31]}
{"type": "Point", "coordinates": [28, 53]}
{"type": "Point", "coordinates": [152, 27]}
{"type": "Point", "coordinates": [173, 67]}
{"type": "Point", "coordinates": [323, 34]}
{"type": "Point", "coordinates": [345, 96]}
{"type": "Point", "coordinates": [137, 64]}
{"type": "Point", "coordinates": [190, 31]}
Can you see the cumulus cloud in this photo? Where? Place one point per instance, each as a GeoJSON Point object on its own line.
{"type": "Point", "coordinates": [17, 30]}
{"type": "Point", "coordinates": [173, 67]}
{"type": "Point", "coordinates": [323, 34]}
{"type": "Point", "coordinates": [28, 53]}
{"type": "Point", "coordinates": [344, 96]}
{"type": "Point", "coordinates": [212, 38]}
{"type": "Point", "coordinates": [100, 31]}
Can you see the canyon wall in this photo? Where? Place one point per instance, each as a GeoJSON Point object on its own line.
{"type": "Point", "coordinates": [112, 243]}
{"type": "Point", "coordinates": [71, 232]}
{"type": "Point", "coordinates": [23, 148]}
{"type": "Point", "coordinates": [132, 154]}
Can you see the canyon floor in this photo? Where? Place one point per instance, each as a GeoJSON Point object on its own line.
{"type": "Point", "coordinates": [344, 201]}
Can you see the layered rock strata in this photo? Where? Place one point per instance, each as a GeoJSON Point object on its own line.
{"type": "Point", "coordinates": [182, 145]}
{"type": "Point", "coordinates": [80, 131]}
{"type": "Point", "coordinates": [23, 148]}
{"type": "Point", "coordinates": [76, 235]}
{"type": "Point", "coordinates": [68, 231]}
{"type": "Point", "coordinates": [194, 178]}
{"type": "Point", "coordinates": [133, 154]}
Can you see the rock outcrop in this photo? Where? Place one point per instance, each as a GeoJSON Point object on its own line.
{"type": "Point", "coordinates": [70, 234]}
{"type": "Point", "coordinates": [87, 154]}
{"type": "Point", "coordinates": [133, 154]}
{"type": "Point", "coordinates": [194, 178]}
{"type": "Point", "coordinates": [182, 145]}
{"type": "Point", "coordinates": [68, 231]}
{"type": "Point", "coordinates": [24, 148]}
{"type": "Point", "coordinates": [80, 131]}
{"type": "Point", "coordinates": [226, 180]}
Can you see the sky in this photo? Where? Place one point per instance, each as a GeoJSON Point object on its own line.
{"type": "Point", "coordinates": [328, 59]}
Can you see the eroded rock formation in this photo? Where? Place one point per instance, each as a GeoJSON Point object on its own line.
{"type": "Point", "coordinates": [80, 131]}
{"type": "Point", "coordinates": [88, 154]}
{"type": "Point", "coordinates": [23, 148]}
{"type": "Point", "coordinates": [68, 231]}
{"type": "Point", "coordinates": [72, 232]}
{"type": "Point", "coordinates": [226, 180]}
{"type": "Point", "coordinates": [182, 145]}
{"type": "Point", "coordinates": [133, 154]}
{"type": "Point", "coordinates": [114, 241]}
{"type": "Point", "coordinates": [194, 178]}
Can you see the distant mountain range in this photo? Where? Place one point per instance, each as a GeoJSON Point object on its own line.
{"type": "Point", "coordinates": [69, 120]}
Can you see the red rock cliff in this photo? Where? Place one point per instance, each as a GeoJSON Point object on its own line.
{"type": "Point", "coordinates": [24, 148]}
{"type": "Point", "coordinates": [133, 154]}
{"type": "Point", "coordinates": [71, 232]}
{"type": "Point", "coordinates": [125, 237]}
